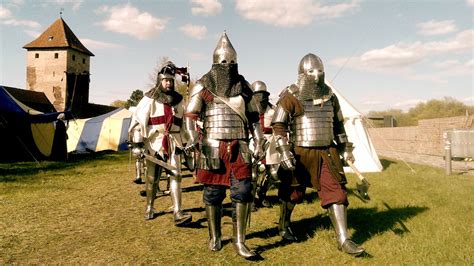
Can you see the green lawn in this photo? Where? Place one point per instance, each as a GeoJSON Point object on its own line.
{"type": "Point", "coordinates": [87, 210]}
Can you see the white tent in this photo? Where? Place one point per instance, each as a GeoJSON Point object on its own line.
{"type": "Point", "coordinates": [366, 159]}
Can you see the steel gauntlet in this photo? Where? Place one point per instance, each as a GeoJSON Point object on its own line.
{"type": "Point", "coordinates": [288, 161]}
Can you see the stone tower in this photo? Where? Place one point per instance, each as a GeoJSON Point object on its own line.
{"type": "Point", "coordinates": [58, 64]}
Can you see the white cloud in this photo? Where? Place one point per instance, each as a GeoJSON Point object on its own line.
{"type": "Point", "coordinates": [291, 13]}
{"type": "Point", "coordinates": [33, 33]}
{"type": "Point", "coordinates": [6, 18]}
{"type": "Point", "coordinates": [194, 31]}
{"type": "Point", "coordinates": [198, 56]}
{"type": "Point", "coordinates": [206, 7]}
{"type": "Point", "coordinates": [372, 102]}
{"type": "Point", "coordinates": [405, 54]}
{"type": "Point", "coordinates": [76, 4]}
{"type": "Point", "coordinates": [5, 13]}
{"type": "Point", "coordinates": [16, 22]}
{"type": "Point", "coordinates": [127, 19]}
{"type": "Point", "coordinates": [408, 103]}
{"type": "Point", "coordinates": [92, 44]}
{"type": "Point", "coordinates": [470, 2]}
{"type": "Point", "coordinates": [455, 68]}
{"type": "Point", "coordinates": [433, 27]}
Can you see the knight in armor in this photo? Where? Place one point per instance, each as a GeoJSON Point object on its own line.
{"type": "Point", "coordinates": [223, 101]}
{"type": "Point", "coordinates": [157, 123]}
{"type": "Point", "coordinates": [310, 137]}
{"type": "Point", "coordinates": [265, 175]}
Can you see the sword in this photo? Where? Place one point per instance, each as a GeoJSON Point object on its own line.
{"type": "Point", "coordinates": [362, 188]}
{"type": "Point", "coordinates": [165, 165]}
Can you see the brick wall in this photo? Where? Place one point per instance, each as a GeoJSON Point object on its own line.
{"type": "Point", "coordinates": [424, 139]}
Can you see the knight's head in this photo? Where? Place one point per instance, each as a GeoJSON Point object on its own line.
{"type": "Point", "coordinates": [261, 93]}
{"type": "Point", "coordinates": [224, 52]}
{"type": "Point", "coordinates": [311, 68]}
{"type": "Point", "coordinates": [166, 77]}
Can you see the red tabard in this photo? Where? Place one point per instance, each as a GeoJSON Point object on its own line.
{"type": "Point", "coordinates": [231, 163]}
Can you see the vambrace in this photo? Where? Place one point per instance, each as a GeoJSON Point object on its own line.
{"type": "Point", "coordinates": [259, 140]}
{"type": "Point", "coordinates": [280, 116]}
{"type": "Point", "coordinates": [191, 132]}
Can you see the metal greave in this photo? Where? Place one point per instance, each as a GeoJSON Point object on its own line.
{"type": "Point", "coordinates": [150, 189]}
{"type": "Point", "coordinates": [338, 216]}
{"type": "Point", "coordinates": [214, 214]}
{"type": "Point", "coordinates": [175, 192]}
{"type": "Point", "coordinates": [239, 228]}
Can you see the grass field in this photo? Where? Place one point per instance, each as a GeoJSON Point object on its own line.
{"type": "Point", "coordinates": [87, 210]}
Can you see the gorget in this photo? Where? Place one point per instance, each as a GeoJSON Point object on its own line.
{"type": "Point", "coordinates": [223, 80]}
{"type": "Point", "coordinates": [310, 90]}
{"type": "Point", "coordinates": [172, 97]}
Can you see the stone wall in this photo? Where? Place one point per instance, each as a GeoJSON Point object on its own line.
{"type": "Point", "coordinates": [424, 139]}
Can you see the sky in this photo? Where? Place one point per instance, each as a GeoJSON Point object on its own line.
{"type": "Point", "coordinates": [379, 54]}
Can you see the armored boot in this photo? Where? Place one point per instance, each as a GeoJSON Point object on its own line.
{"type": "Point", "coordinates": [286, 208]}
{"type": "Point", "coordinates": [150, 190]}
{"type": "Point", "coordinates": [240, 224]}
{"type": "Point", "coordinates": [338, 215]}
{"type": "Point", "coordinates": [214, 214]}
{"type": "Point", "coordinates": [179, 216]}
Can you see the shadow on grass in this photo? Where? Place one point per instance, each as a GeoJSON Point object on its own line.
{"type": "Point", "coordinates": [386, 163]}
{"type": "Point", "coordinates": [366, 222]}
{"type": "Point", "coordinates": [26, 171]}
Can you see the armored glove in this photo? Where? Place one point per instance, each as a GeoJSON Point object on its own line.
{"type": "Point", "coordinates": [288, 161]}
{"type": "Point", "coordinates": [347, 155]}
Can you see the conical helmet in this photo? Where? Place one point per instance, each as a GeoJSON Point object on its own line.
{"type": "Point", "coordinates": [259, 86]}
{"type": "Point", "coordinates": [224, 52]}
{"type": "Point", "coordinates": [310, 62]}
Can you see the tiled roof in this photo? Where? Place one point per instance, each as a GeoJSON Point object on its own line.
{"type": "Point", "coordinates": [58, 35]}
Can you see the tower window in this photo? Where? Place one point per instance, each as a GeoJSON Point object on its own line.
{"type": "Point", "coordinates": [83, 60]}
{"type": "Point", "coordinates": [73, 57]}
{"type": "Point", "coordinates": [50, 38]}
{"type": "Point", "coordinates": [37, 55]}
{"type": "Point", "coordinates": [56, 55]}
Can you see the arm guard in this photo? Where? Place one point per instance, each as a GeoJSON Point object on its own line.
{"type": "Point", "coordinates": [288, 161]}
{"type": "Point", "coordinates": [259, 140]}
{"type": "Point", "coordinates": [280, 116]}
{"type": "Point", "coordinates": [193, 109]}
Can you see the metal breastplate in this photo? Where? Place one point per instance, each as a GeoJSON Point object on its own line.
{"type": "Point", "coordinates": [222, 123]}
{"type": "Point", "coordinates": [315, 127]}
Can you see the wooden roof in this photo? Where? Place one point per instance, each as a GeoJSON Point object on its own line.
{"type": "Point", "coordinates": [58, 35]}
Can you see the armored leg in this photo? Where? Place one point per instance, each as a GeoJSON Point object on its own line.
{"type": "Point", "coordinates": [180, 217]}
{"type": "Point", "coordinates": [150, 189]}
{"type": "Point", "coordinates": [240, 225]}
{"type": "Point", "coordinates": [286, 208]}
{"type": "Point", "coordinates": [214, 214]}
{"type": "Point", "coordinates": [338, 215]}
{"type": "Point", "coordinates": [139, 170]}
{"type": "Point", "coordinates": [262, 189]}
